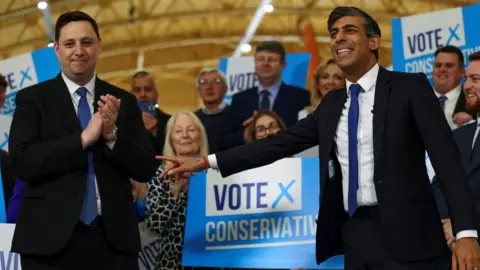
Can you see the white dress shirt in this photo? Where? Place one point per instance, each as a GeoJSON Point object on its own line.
{"type": "Point", "coordinates": [450, 104]}
{"type": "Point", "coordinates": [90, 86]}
{"type": "Point", "coordinates": [366, 194]}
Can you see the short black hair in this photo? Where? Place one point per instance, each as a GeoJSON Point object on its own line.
{"type": "Point", "coordinates": [74, 16]}
{"type": "Point", "coordinates": [371, 26]}
{"type": "Point", "coordinates": [452, 49]}
{"type": "Point", "coordinates": [474, 56]}
{"type": "Point", "coordinates": [271, 46]}
{"type": "Point", "coordinates": [141, 73]}
{"type": "Point", "coordinates": [3, 81]}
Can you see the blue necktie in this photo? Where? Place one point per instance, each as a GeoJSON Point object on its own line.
{"type": "Point", "coordinates": [89, 206]}
{"type": "Point", "coordinates": [353, 114]}
{"type": "Point", "coordinates": [441, 100]}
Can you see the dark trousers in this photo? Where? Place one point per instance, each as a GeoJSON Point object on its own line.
{"type": "Point", "coordinates": [365, 246]}
{"type": "Point", "coordinates": [88, 248]}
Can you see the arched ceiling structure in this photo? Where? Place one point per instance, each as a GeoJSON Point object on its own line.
{"type": "Point", "coordinates": [174, 39]}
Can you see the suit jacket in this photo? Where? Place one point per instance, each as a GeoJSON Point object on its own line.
{"type": "Point", "coordinates": [464, 138]}
{"type": "Point", "coordinates": [47, 154]}
{"type": "Point", "coordinates": [159, 139]}
{"type": "Point", "coordinates": [407, 120]}
{"type": "Point", "coordinates": [288, 102]}
{"type": "Point", "coordinates": [460, 106]}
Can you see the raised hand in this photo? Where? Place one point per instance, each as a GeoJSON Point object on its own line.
{"type": "Point", "coordinates": [108, 108]}
{"type": "Point", "coordinates": [92, 132]}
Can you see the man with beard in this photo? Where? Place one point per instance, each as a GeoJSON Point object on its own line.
{"type": "Point", "coordinates": [468, 143]}
{"type": "Point", "coordinates": [270, 94]}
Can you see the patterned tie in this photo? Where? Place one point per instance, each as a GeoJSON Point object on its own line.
{"type": "Point", "coordinates": [441, 100]}
{"type": "Point", "coordinates": [89, 206]}
{"type": "Point", "coordinates": [353, 114]}
{"type": "Point", "coordinates": [265, 102]}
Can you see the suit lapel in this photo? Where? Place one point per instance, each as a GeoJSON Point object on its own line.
{"type": "Point", "coordinates": [281, 101]}
{"type": "Point", "coordinates": [63, 100]}
{"type": "Point", "coordinates": [472, 156]}
{"type": "Point", "coordinates": [382, 92]}
{"type": "Point", "coordinates": [100, 90]}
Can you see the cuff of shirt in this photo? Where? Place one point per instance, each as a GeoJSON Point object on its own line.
{"type": "Point", "coordinates": [467, 233]}
{"type": "Point", "coordinates": [212, 161]}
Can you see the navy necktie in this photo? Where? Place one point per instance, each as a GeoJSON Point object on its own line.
{"type": "Point", "coordinates": [441, 100]}
{"type": "Point", "coordinates": [89, 206]}
{"type": "Point", "coordinates": [265, 102]}
{"type": "Point", "coordinates": [353, 114]}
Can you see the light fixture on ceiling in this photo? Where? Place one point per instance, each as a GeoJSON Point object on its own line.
{"type": "Point", "coordinates": [246, 48]}
{"type": "Point", "coordinates": [42, 5]}
{"type": "Point", "coordinates": [50, 44]}
{"type": "Point", "coordinates": [268, 8]}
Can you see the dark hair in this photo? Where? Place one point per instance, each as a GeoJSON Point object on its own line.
{"type": "Point", "coordinates": [371, 26]}
{"type": "Point", "coordinates": [251, 129]}
{"type": "Point", "coordinates": [474, 56]}
{"type": "Point", "coordinates": [452, 49]}
{"type": "Point", "coordinates": [74, 16]}
{"type": "Point", "coordinates": [3, 81]}
{"type": "Point", "coordinates": [141, 73]}
{"type": "Point", "coordinates": [271, 46]}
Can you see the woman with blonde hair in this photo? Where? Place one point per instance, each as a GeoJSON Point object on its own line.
{"type": "Point", "coordinates": [167, 200]}
{"type": "Point", "coordinates": [327, 77]}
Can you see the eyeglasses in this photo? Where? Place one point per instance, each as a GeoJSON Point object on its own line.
{"type": "Point", "coordinates": [272, 127]}
{"type": "Point", "coordinates": [214, 81]}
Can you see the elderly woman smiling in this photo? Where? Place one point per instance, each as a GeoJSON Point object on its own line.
{"type": "Point", "coordinates": [167, 200]}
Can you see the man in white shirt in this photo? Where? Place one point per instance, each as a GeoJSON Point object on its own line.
{"type": "Point", "coordinates": [379, 209]}
{"type": "Point", "coordinates": [447, 75]}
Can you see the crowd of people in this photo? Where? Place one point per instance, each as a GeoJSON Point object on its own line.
{"type": "Point", "coordinates": [82, 168]}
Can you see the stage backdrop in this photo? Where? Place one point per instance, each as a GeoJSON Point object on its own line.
{"type": "Point", "coordinates": [260, 218]}
{"type": "Point", "coordinates": [416, 38]}
{"type": "Point", "coordinates": [240, 72]}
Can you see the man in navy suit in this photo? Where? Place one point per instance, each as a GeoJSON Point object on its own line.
{"type": "Point", "coordinates": [467, 140]}
{"type": "Point", "coordinates": [270, 94]}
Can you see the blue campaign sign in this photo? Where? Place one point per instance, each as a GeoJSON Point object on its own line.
{"type": "Point", "coordinates": [240, 72]}
{"type": "Point", "coordinates": [260, 218]}
{"type": "Point", "coordinates": [416, 38]}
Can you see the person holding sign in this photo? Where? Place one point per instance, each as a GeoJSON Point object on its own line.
{"type": "Point", "coordinates": [75, 141]}
{"type": "Point", "coordinates": [379, 209]}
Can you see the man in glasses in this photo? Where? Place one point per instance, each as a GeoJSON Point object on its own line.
{"type": "Point", "coordinates": [212, 87]}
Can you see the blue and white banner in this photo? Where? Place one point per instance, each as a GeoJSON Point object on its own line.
{"type": "Point", "coordinates": [240, 72]}
{"type": "Point", "coordinates": [416, 38]}
{"type": "Point", "coordinates": [260, 218]}
{"type": "Point", "coordinates": [8, 260]}
{"type": "Point", "coordinates": [23, 71]}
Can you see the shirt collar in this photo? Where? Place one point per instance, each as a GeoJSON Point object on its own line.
{"type": "Point", "coordinates": [73, 87]}
{"type": "Point", "coordinates": [452, 94]}
{"type": "Point", "coordinates": [367, 81]}
{"type": "Point", "coordinates": [220, 109]}
{"type": "Point", "coordinates": [273, 89]}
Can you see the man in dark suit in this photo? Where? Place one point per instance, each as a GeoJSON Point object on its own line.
{"type": "Point", "coordinates": [270, 94]}
{"type": "Point", "coordinates": [468, 143]}
{"type": "Point", "coordinates": [447, 75]}
{"type": "Point", "coordinates": [379, 211]}
{"type": "Point", "coordinates": [154, 119]}
{"type": "Point", "coordinates": [76, 140]}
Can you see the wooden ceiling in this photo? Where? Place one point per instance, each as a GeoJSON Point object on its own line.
{"type": "Point", "coordinates": [174, 39]}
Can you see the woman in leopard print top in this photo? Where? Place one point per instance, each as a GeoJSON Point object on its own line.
{"type": "Point", "coordinates": [167, 202]}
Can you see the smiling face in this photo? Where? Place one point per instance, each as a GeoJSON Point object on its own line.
{"type": "Point", "coordinates": [331, 78]}
{"type": "Point", "coordinates": [352, 50]}
{"type": "Point", "coordinates": [447, 72]}
{"type": "Point", "coordinates": [77, 49]}
{"type": "Point", "coordinates": [472, 86]}
{"type": "Point", "coordinates": [186, 136]}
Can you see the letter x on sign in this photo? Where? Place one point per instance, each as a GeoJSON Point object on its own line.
{"type": "Point", "coordinates": [284, 193]}
{"type": "Point", "coordinates": [453, 34]}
